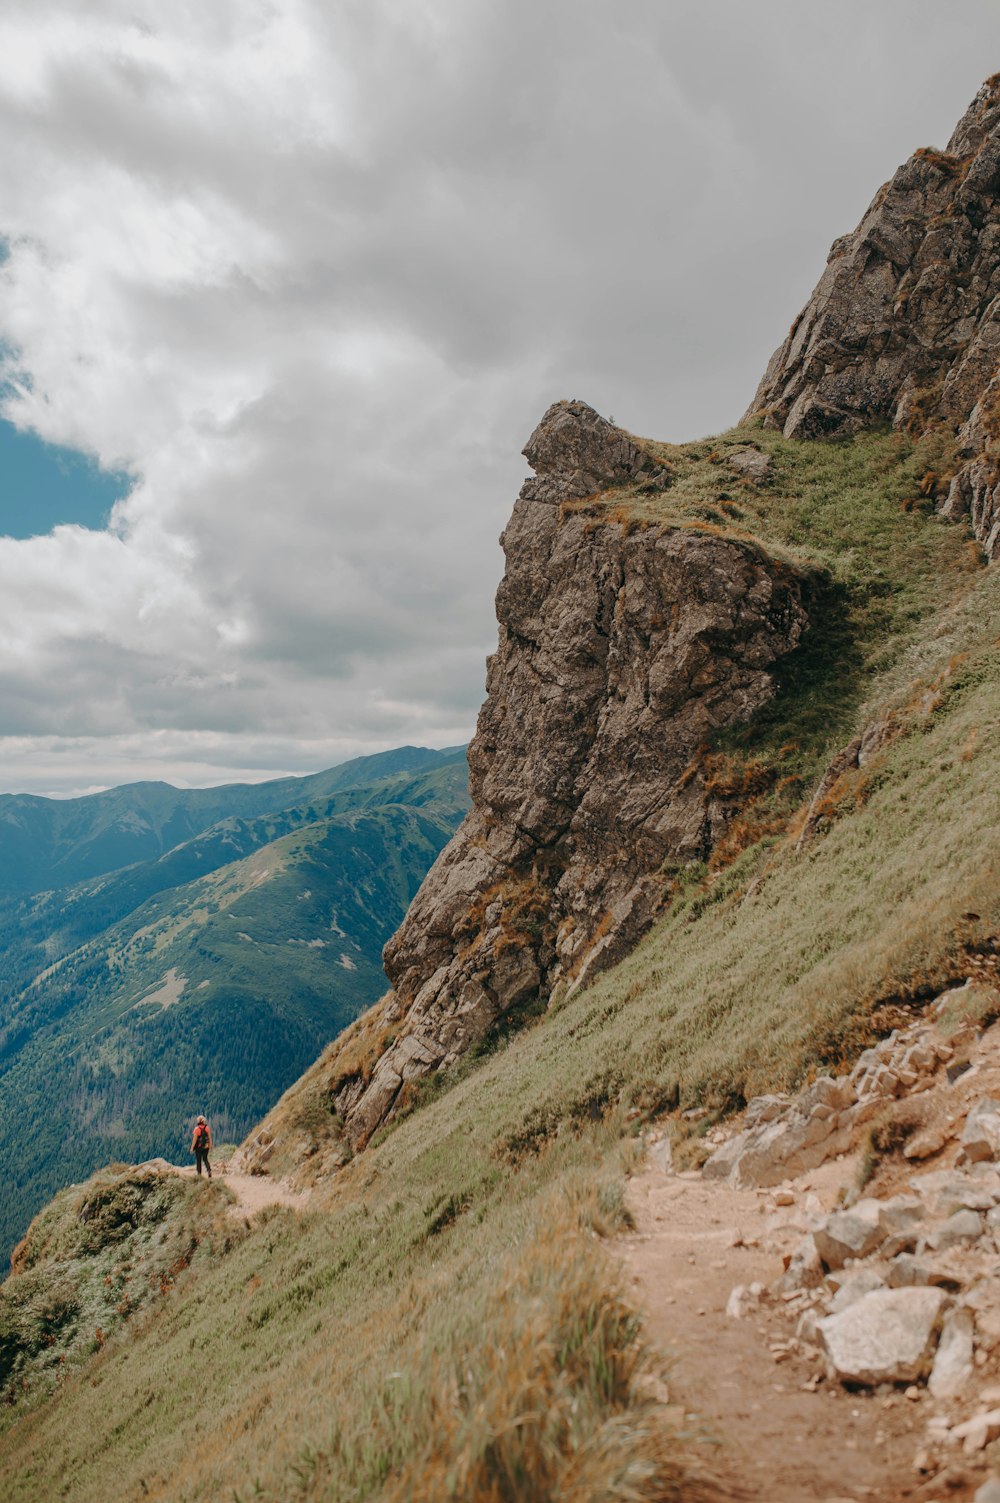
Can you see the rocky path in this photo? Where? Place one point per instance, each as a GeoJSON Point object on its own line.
{"type": "Point", "coordinates": [780, 1435]}
{"type": "Point", "coordinates": [253, 1191]}
{"type": "Point", "coordinates": [836, 1343]}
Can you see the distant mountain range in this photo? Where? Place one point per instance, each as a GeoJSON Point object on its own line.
{"type": "Point", "coordinates": [166, 951]}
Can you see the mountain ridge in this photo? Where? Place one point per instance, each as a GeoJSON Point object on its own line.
{"type": "Point", "coordinates": [49, 842]}
{"type": "Point", "coordinates": [209, 976]}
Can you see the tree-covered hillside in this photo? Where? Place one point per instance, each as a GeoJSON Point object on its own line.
{"type": "Point", "coordinates": [207, 978]}
{"type": "Point", "coordinates": [53, 843]}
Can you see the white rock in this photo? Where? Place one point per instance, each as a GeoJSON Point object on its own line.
{"type": "Point", "coordinates": [884, 1082]}
{"type": "Point", "coordinates": [946, 1191]}
{"type": "Point", "coordinates": [849, 1234]}
{"type": "Point", "coordinates": [977, 1432]}
{"type": "Point", "coordinates": [989, 1492]}
{"type": "Point", "coordinates": [855, 1287]}
{"type": "Point", "coordinates": [742, 1301]}
{"type": "Point", "coordinates": [766, 1109]}
{"type": "Point", "coordinates": [924, 1144]}
{"type": "Point", "coordinates": [808, 1326]}
{"type": "Point", "coordinates": [920, 1057]}
{"type": "Point", "coordinates": [900, 1220]}
{"type": "Point", "coordinates": [886, 1337]}
{"type": "Point", "coordinates": [661, 1155]}
{"type": "Point", "coordinates": [962, 1227]}
{"type": "Point", "coordinates": [777, 1150]}
{"type": "Point", "coordinates": [953, 1363]}
{"type": "Point", "coordinates": [826, 1091]}
{"type": "Point", "coordinates": [803, 1269]}
{"type": "Point", "coordinates": [980, 1138]}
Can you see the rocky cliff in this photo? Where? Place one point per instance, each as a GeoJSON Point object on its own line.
{"type": "Point", "coordinates": [903, 325]}
{"type": "Point", "coordinates": [630, 634]}
{"type": "Point", "coordinates": [621, 649]}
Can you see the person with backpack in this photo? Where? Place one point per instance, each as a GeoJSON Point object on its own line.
{"type": "Point", "coordinates": [201, 1145]}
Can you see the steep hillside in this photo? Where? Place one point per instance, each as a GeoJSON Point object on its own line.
{"type": "Point", "coordinates": [143, 997]}
{"type": "Point", "coordinates": [701, 641]}
{"type": "Point", "coordinates": [386, 1339]}
{"type": "Point", "coordinates": [735, 818]}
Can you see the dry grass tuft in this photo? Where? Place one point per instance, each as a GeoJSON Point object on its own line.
{"type": "Point", "coordinates": [543, 1402]}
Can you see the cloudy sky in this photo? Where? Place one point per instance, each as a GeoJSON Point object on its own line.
{"type": "Point", "coordinates": [293, 281]}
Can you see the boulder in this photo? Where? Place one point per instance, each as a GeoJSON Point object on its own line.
{"type": "Point", "coordinates": [980, 1139]}
{"type": "Point", "coordinates": [989, 1492]}
{"type": "Point", "coordinates": [953, 1362]}
{"type": "Point", "coordinates": [889, 1336]}
{"type": "Point", "coordinates": [751, 464]}
{"type": "Point", "coordinates": [763, 1109]}
{"type": "Point", "coordinates": [983, 1299]}
{"type": "Point", "coordinates": [779, 1149]}
{"type": "Point", "coordinates": [900, 1220]}
{"type": "Point", "coordinates": [962, 1227]}
{"type": "Point", "coordinates": [849, 1234]}
{"type": "Point", "coordinates": [923, 1145]}
{"type": "Point", "coordinates": [838, 1094]}
{"type": "Point", "coordinates": [661, 1155]}
{"type": "Point", "coordinates": [948, 1191]}
{"type": "Point", "coordinates": [921, 1057]}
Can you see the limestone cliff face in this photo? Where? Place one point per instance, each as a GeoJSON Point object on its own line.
{"type": "Point", "coordinates": [904, 325]}
{"type": "Point", "coordinates": [620, 651]}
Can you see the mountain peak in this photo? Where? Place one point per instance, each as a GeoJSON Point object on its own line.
{"type": "Point", "coordinates": [902, 326]}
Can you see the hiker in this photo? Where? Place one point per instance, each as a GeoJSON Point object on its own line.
{"type": "Point", "coordinates": [201, 1145]}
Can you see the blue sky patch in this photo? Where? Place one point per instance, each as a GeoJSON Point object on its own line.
{"type": "Point", "coordinates": [42, 485]}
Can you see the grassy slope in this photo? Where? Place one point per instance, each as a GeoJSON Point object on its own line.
{"type": "Point", "coordinates": [446, 1281]}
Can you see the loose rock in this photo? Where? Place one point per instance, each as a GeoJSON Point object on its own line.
{"type": "Point", "coordinates": [889, 1336]}
{"type": "Point", "coordinates": [849, 1234]}
{"type": "Point", "coordinates": [953, 1368]}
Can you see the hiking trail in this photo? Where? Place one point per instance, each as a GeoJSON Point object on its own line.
{"type": "Point", "coordinates": [253, 1192]}
{"type": "Point", "coordinates": [778, 1429]}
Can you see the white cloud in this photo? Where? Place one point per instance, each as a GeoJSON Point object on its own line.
{"type": "Point", "coordinates": [311, 271]}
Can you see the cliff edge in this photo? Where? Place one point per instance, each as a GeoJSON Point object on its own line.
{"type": "Point", "coordinates": [621, 650]}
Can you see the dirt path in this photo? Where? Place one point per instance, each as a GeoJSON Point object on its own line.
{"type": "Point", "coordinates": [253, 1191]}
{"type": "Point", "coordinates": [782, 1437]}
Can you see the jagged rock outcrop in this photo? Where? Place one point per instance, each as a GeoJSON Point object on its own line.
{"type": "Point", "coordinates": [621, 649]}
{"type": "Point", "coordinates": [904, 324]}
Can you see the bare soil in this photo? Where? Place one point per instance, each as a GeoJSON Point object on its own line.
{"type": "Point", "coordinates": [253, 1191]}
{"type": "Point", "coordinates": [770, 1424]}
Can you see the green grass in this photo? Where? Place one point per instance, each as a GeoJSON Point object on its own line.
{"type": "Point", "coordinates": [268, 955]}
{"type": "Point", "coordinates": [442, 1322]}
{"type": "Point", "coordinates": [96, 1256]}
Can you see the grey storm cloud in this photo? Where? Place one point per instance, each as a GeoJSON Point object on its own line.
{"type": "Point", "coordinates": [312, 272]}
